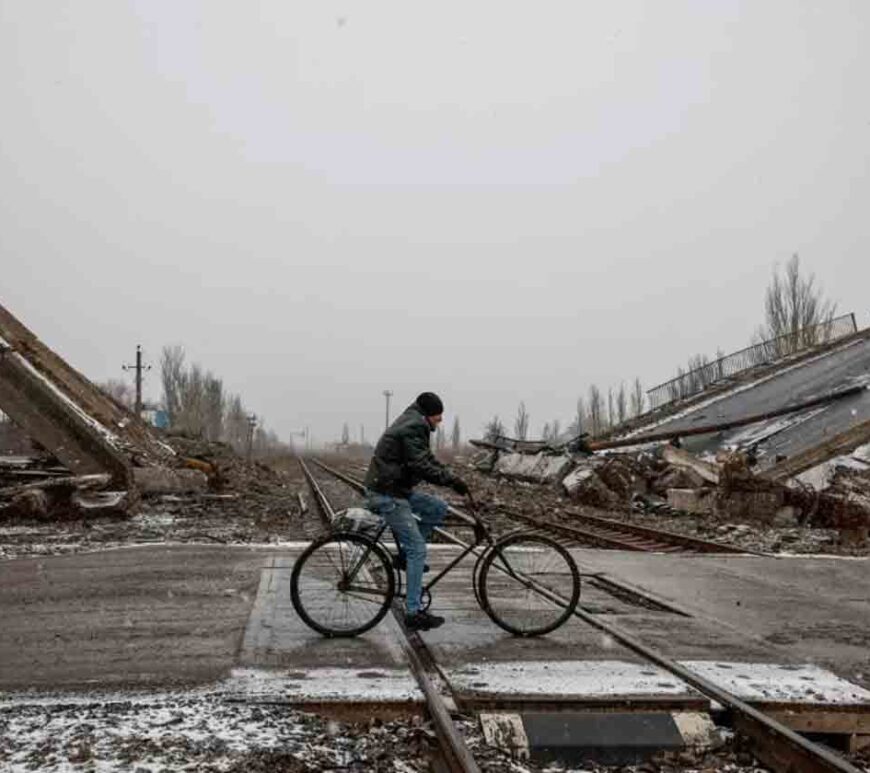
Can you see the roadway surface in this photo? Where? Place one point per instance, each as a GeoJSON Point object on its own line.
{"type": "Point", "coordinates": [157, 616]}
{"type": "Point", "coordinates": [789, 435]}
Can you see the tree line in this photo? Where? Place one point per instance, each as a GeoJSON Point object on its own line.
{"type": "Point", "coordinates": [597, 414]}
{"type": "Point", "coordinates": [197, 405]}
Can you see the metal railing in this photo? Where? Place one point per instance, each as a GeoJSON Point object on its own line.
{"type": "Point", "coordinates": [698, 379]}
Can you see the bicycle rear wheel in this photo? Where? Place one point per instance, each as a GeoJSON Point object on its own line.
{"type": "Point", "coordinates": [342, 585]}
{"type": "Point", "coordinates": [512, 576]}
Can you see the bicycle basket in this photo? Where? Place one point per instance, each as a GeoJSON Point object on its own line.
{"type": "Point", "coordinates": [358, 520]}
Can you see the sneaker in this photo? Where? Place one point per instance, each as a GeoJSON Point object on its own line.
{"type": "Point", "coordinates": [400, 561]}
{"type": "Point", "coordinates": [422, 621]}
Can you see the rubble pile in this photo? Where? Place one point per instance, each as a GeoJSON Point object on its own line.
{"type": "Point", "coordinates": [722, 498]}
{"type": "Point", "coordinates": [217, 496]}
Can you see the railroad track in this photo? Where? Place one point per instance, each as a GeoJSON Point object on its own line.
{"type": "Point", "coordinates": [773, 743]}
{"type": "Point", "coordinates": [595, 530]}
{"type": "Point", "coordinates": [618, 535]}
{"type": "Point", "coordinates": [455, 755]}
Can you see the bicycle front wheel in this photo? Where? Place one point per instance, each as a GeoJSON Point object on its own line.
{"type": "Point", "coordinates": [342, 585]}
{"type": "Point", "coordinates": [529, 584]}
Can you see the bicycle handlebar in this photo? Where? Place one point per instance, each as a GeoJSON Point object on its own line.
{"type": "Point", "coordinates": [472, 518]}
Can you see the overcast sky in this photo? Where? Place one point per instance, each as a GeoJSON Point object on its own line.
{"type": "Point", "coordinates": [497, 201]}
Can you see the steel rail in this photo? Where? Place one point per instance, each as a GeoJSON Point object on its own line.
{"type": "Point", "coordinates": [325, 508]}
{"type": "Point", "coordinates": [773, 743]}
{"type": "Point", "coordinates": [662, 538]}
{"type": "Point", "coordinates": [776, 745]}
{"type": "Point", "coordinates": [457, 756]}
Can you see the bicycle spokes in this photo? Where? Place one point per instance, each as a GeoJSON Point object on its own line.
{"type": "Point", "coordinates": [342, 585]}
{"type": "Point", "coordinates": [515, 578]}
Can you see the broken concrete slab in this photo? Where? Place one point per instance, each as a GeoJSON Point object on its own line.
{"type": "Point", "coordinates": [584, 485]}
{"type": "Point", "coordinates": [129, 432]}
{"type": "Point", "coordinates": [676, 478]}
{"type": "Point", "coordinates": [677, 457]}
{"type": "Point", "coordinates": [539, 468]}
{"type": "Point", "coordinates": [49, 416]}
{"type": "Point", "coordinates": [843, 444]}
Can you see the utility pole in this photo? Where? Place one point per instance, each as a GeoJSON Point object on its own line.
{"type": "Point", "coordinates": [388, 394]}
{"type": "Point", "coordinates": [138, 367]}
{"type": "Point", "coordinates": [252, 423]}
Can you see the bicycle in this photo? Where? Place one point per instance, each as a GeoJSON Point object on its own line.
{"type": "Point", "coordinates": [345, 582]}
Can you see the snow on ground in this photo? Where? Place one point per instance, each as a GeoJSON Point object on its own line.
{"type": "Point", "coordinates": [574, 678]}
{"type": "Point", "coordinates": [196, 732]}
{"type": "Point", "coordinates": [781, 683]}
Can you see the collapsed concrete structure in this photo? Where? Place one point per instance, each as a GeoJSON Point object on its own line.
{"type": "Point", "coordinates": [94, 437]}
{"type": "Point", "coordinates": [803, 464]}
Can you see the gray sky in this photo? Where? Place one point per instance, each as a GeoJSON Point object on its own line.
{"type": "Point", "coordinates": [498, 201]}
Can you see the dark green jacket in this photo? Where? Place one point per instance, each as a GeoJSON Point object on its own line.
{"type": "Point", "coordinates": [403, 458]}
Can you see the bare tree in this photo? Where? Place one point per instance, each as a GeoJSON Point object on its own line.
{"type": "Point", "coordinates": [345, 434]}
{"type": "Point", "coordinates": [172, 376]}
{"type": "Point", "coordinates": [579, 421]}
{"type": "Point", "coordinates": [455, 435]}
{"type": "Point", "coordinates": [794, 308]}
{"type": "Point", "coordinates": [611, 416]}
{"type": "Point", "coordinates": [621, 404]}
{"type": "Point", "coordinates": [637, 398]}
{"type": "Point", "coordinates": [192, 403]}
{"type": "Point", "coordinates": [555, 431]}
{"type": "Point", "coordinates": [236, 423]}
{"type": "Point", "coordinates": [546, 432]}
{"type": "Point", "coordinates": [440, 438]}
{"type": "Point", "coordinates": [521, 422]}
{"type": "Point", "coordinates": [214, 405]}
{"type": "Point", "coordinates": [493, 429]}
{"type": "Point", "coordinates": [595, 409]}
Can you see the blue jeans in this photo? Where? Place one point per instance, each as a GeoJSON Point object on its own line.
{"type": "Point", "coordinates": [410, 533]}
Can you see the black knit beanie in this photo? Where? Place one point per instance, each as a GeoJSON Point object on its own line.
{"type": "Point", "coordinates": [430, 404]}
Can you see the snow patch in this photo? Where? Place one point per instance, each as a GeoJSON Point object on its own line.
{"type": "Point", "coordinates": [570, 678]}
{"type": "Point", "coordinates": [345, 685]}
{"type": "Point", "coordinates": [780, 683]}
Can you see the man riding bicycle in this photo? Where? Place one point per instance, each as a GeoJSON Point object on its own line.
{"type": "Point", "coordinates": [402, 459]}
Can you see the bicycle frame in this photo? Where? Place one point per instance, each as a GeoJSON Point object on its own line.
{"type": "Point", "coordinates": [482, 536]}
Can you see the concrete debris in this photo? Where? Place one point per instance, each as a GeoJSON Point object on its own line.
{"type": "Point", "coordinates": [676, 478]}
{"type": "Point", "coordinates": [538, 468]}
{"type": "Point", "coordinates": [681, 459]}
{"type": "Point", "coordinates": [584, 485]}
{"type": "Point", "coordinates": [727, 490]}
{"type": "Point", "coordinates": [60, 498]}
